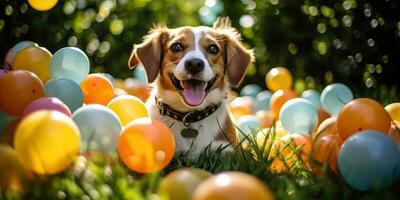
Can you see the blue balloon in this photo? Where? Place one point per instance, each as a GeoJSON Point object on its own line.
{"type": "Point", "coordinates": [248, 125]}
{"type": "Point", "coordinates": [67, 91]}
{"type": "Point", "coordinates": [369, 160]}
{"type": "Point", "coordinates": [140, 74]}
{"type": "Point", "coordinates": [313, 96]}
{"type": "Point", "coordinates": [298, 115]}
{"type": "Point", "coordinates": [69, 63]}
{"type": "Point", "coordinates": [4, 120]}
{"type": "Point", "coordinates": [334, 97]}
{"type": "Point", "coordinates": [22, 45]}
{"type": "Point", "coordinates": [99, 127]}
{"type": "Point", "coordinates": [263, 100]}
{"type": "Point", "coordinates": [251, 90]}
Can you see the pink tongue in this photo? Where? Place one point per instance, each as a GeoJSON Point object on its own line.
{"type": "Point", "coordinates": [194, 96]}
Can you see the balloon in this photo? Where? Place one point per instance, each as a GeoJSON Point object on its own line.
{"type": "Point", "coordinates": [109, 77]}
{"type": "Point", "coordinates": [97, 90]}
{"type": "Point", "coordinates": [140, 74]}
{"type": "Point", "coordinates": [42, 5]}
{"type": "Point", "coordinates": [2, 72]}
{"type": "Point", "coordinates": [265, 137]}
{"type": "Point", "coordinates": [248, 125]}
{"type": "Point", "coordinates": [10, 57]}
{"type": "Point", "coordinates": [263, 100]}
{"type": "Point", "coordinates": [300, 140]}
{"type": "Point", "coordinates": [265, 118]}
{"type": "Point", "coordinates": [322, 116]}
{"type": "Point", "coordinates": [13, 175]}
{"type": "Point", "coordinates": [313, 96]}
{"type": "Point", "coordinates": [128, 108]}
{"type": "Point", "coordinates": [369, 160]}
{"type": "Point", "coordinates": [326, 150]}
{"type": "Point", "coordinates": [298, 116]}
{"type": "Point", "coordinates": [69, 63]}
{"type": "Point", "coordinates": [181, 183]}
{"type": "Point", "coordinates": [278, 99]}
{"type": "Point", "coordinates": [67, 91]}
{"type": "Point", "coordinates": [232, 185]}
{"type": "Point", "coordinates": [99, 127]}
{"type": "Point", "coordinates": [9, 132]}
{"type": "Point", "coordinates": [327, 127]}
{"type": "Point", "coordinates": [394, 132]}
{"type": "Point", "coordinates": [146, 145]}
{"type": "Point", "coordinates": [279, 78]}
{"type": "Point", "coordinates": [394, 111]}
{"type": "Point", "coordinates": [250, 90]}
{"type": "Point", "coordinates": [4, 120]}
{"type": "Point", "coordinates": [241, 106]}
{"type": "Point", "coordinates": [47, 103]}
{"type": "Point", "coordinates": [119, 92]}
{"type": "Point", "coordinates": [17, 89]}
{"type": "Point", "coordinates": [334, 97]}
{"type": "Point", "coordinates": [362, 114]}
{"type": "Point", "coordinates": [47, 141]}
{"type": "Point", "coordinates": [135, 88]}
{"type": "Point", "coordinates": [34, 59]}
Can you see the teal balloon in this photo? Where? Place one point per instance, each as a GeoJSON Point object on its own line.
{"type": "Point", "coordinates": [263, 100]}
{"type": "Point", "coordinates": [99, 127]}
{"type": "Point", "coordinates": [248, 125]}
{"type": "Point", "coordinates": [313, 96]}
{"type": "Point", "coordinates": [140, 74]}
{"type": "Point", "coordinates": [69, 63]}
{"type": "Point", "coordinates": [4, 120]}
{"type": "Point", "coordinates": [67, 91]}
{"type": "Point", "coordinates": [298, 115]}
{"type": "Point", "coordinates": [369, 160]}
{"type": "Point", "coordinates": [251, 90]}
{"type": "Point", "coordinates": [334, 97]}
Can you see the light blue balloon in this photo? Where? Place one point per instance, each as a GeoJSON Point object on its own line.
{"type": "Point", "coordinates": [140, 74]}
{"type": "Point", "coordinates": [99, 127]}
{"type": "Point", "coordinates": [4, 120]}
{"type": "Point", "coordinates": [22, 45]}
{"type": "Point", "coordinates": [67, 91]}
{"type": "Point", "coordinates": [313, 96]}
{"type": "Point", "coordinates": [369, 160]}
{"type": "Point", "coordinates": [298, 115]}
{"type": "Point", "coordinates": [334, 97]}
{"type": "Point", "coordinates": [263, 100]}
{"type": "Point", "coordinates": [251, 90]}
{"type": "Point", "coordinates": [69, 63]}
{"type": "Point", "coordinates": [248, 125]}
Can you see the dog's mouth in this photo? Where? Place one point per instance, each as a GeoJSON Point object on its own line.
{"type": "Point", "coordinates": [193, 91]}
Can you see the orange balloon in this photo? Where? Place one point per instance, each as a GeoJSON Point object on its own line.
{"type": "Point", "coordinates": [146, 145]}
{"type": "Point", "coordinates": [265, 117]}
{"type": "Point", "coordinates": [279, 98]}
{"type": "Point", "coordinates": [97, 89]}
{"type": "Point", "coordinates": [278, 78]}
{"type": "Point", "coordinates": [322, 116]}
{"type": "Point", "coordinates": [17, 89]}
{"type": "Point", "coordinates": [135, 88]}
{"type": "Point", "coordinates": [394, 132]}
{"type": "Point", "coordinates": [241, 106]}
{"type": "Point", "coordinates": [325, 151]}
{"type": "Point", "coordinates": [9, 132]}
{"type": "Point", "coordinates": [362, 114]}
{"type": "Point", "coordinates": [327, 127]}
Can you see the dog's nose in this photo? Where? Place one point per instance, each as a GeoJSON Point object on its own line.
{"type": "Point", "coordinates": [194, 65]}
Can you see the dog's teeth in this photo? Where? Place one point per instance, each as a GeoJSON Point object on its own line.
{"type": "Point", "coordinates": [182, 84]}
{"type": "Point", "coordinates": [205, 85]}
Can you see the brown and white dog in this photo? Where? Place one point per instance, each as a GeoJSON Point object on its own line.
{"type": "Point", "coordinates": [193, 68]}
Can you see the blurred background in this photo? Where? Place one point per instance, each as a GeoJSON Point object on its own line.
{"type": "Point", "coordinates": [350, 41]}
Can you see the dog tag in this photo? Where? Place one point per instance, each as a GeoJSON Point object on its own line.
{"type": "Point", "coordinates": [189, 132]}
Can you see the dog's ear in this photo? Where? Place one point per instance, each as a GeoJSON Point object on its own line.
{"type": "Point", "coordinates": [238, 58]}
{"type": "Point", "coordinates": [149, 52]}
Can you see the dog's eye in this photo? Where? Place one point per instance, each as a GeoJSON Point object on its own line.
{"type": "Point", "coordinates": [176, 47]}
{"type": "Point", "coordinates": [213, 49]}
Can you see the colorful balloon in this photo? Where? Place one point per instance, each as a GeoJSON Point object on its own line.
{"type": "Point", "coordinates": [99, 127]}
{"type": "Point", "coordinates": [2, 72]}
{"type": "Point", "coordinates": [313, 96]}
{"type": "Point", "coordinates": [47, 103]}
{"type": "Point", "coordinates": [232, 185]}
{"type": "Point", "coordinates": [362, 114]}
{"type": "Point", "coordinates": [325, 151]}
{"type": "Point", "coordinates": [241, 106]}
{"type": "Point", "coordinates": [279, 78]}
{"type": "Point", "coordinates": [263, 100]}
{"type": "Point", "coordinates": [128, 108]}
{"type": "Point", "coordinates": [109, 77]}
{"type": "Point", "coordinates": [394, 132]}
{"type": "Point", "coordinates": [265, 118]}
{"type": "Point", "coordinates": [250, 90]}
{"type": "Point", "coordinates": [34, 59]}
{"type": "Point", "coordinates": [10, 57]}
{"type": "Point", "coordinates": [394, 111]}
{"type": "Point", "coordinates": [67, 91]}
{"type": "Point", "coordinates": [140, 74]}
{"type": "Point", "coordinates": [17, 89]}
{"type": "Point", "coordinates": [47, 141]}
{"type": "Point", "coordinates": [334, 97]}
{"type": "Point", "coordinates": [69, 63]}
{"type": "Point", "coordinates": [97, 89]}
{"type": "Point", "coordinates": [278, 99]}
{"type": "Point", "coordinates": [181, 183]}
{"type": "Point", "coordinates": [248, 125]}
{"type": "Point", "coordinates": [13, 175]}
{"type": "Point", "coordinates": [135, 88]}
{"type": "Point", "coordinates": [327, 127]}
{"type": "Point", "coordinates": [369, 160]}
{"type": "Point", "coordinates": [42, 5]}
{"type": "Point", "coordinates": [322, 116]}
{"type": "Point", "coordinates": [298, 115]}
{"type": "Point", "coordinates": [146, 145]}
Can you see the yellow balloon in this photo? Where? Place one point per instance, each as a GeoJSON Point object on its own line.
{"type": "Point", "coordinates": [279, 78]}
{"type": "Point", "coordinates": [47, 141]}
{"type": "Point", "coordinates": [128, 108]}
{"type": "Point", "coordinates": [42, 5]}
{"type": "Point", "coordinates": [34, 59]}
{"type": "Point", "coordinates": [394, 111]}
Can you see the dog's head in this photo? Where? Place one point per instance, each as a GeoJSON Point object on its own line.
{"type": "Point", "coordinates": [193, 63]}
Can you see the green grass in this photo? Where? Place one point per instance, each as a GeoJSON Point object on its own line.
{"type": "Point", "coordinates": [104, 176]}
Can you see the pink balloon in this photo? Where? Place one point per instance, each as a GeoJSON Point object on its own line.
{"type": "Point", "coordinates": [2, 72]}
{"type": "Point", "coordinates": [47, 103]}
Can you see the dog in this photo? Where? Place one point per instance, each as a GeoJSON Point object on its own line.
{"type": "Point", "coordinates": [192, 69]}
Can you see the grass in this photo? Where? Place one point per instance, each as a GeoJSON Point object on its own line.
{"type": "Point", "coordinates": [103, 176]}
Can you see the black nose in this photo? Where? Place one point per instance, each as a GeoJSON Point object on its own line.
{"type": "Point", "coordinates": [194, 65]}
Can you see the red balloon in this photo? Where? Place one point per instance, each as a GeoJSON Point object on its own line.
{"type": "Point", "coordinates": [47, 103]}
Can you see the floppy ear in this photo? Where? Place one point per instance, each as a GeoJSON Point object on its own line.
{"type": "Point", "coordinates": [149, 52]}
{"type": "Point", "coordinates": [237, 58]}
